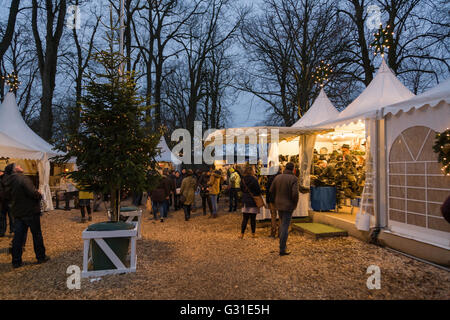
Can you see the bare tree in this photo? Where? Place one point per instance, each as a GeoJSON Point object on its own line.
{"type": "Point", "coordinates": [48, 57]}
{"type": "Point", "coordinates": [203, 34]}
{"type": "Point", "coordinates": [285, 45]}
{"type": "Point", "coordinates": [8, 35]}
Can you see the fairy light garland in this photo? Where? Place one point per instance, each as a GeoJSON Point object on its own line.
{"type": "Point", "coordinates": [442, 148]}
{"type": "Point", "coordinates": [12, 80]}
{"type": "Point", "coordinates": [381, 41]}
{"type": "Point", "coordinates": [322, 73]}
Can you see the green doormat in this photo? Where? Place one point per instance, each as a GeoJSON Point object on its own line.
{"type": "Point", "coordinates": [318, 230]}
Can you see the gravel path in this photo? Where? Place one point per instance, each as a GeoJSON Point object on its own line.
{"type": "Point", "coordinates": [204, 259]}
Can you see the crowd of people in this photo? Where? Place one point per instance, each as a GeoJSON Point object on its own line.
{"type": "Point", "coordinates": [20, 202]}
{"type": "Point", "coordinates": [179, 189]}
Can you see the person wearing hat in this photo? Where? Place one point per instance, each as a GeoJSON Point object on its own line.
{"type": "Point", "coordinates": [235, 185]}
{"type": "Point", "coordinates": [26, 211]}
{"type": "Point", "coordinates": [188, 186]}
{"type": "Point", "coordinates": [284, 189]}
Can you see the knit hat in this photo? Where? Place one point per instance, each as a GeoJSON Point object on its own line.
{"type": "Point", "coordinates": [10, 168]}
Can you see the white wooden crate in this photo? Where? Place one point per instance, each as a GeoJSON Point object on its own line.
{"type": "Point", "coordinates": [130, 215]}
{"type": "Point", "coordinates": [98, 237]}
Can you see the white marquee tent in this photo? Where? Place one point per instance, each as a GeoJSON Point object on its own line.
{"type": "Point", "coordinates": [384, 90]}
{"type": "Point", "coordinates": [321, 110]}
{"type": "Point", "coordinates": [166, 155]}
{"type": "Point", "coordinates": [18, 141]}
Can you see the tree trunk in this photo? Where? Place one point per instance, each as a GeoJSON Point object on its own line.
{"type": "Point", "coordinates": [115, 205]}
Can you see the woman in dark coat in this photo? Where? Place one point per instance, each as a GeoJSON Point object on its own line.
{"type": "Point", "coordinates": [250, 188]}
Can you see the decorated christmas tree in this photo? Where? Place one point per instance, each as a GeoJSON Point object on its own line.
{"type": "Point", "coordinates": [113, 150]}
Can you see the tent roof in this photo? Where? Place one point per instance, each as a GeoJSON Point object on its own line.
{"type": "Point", "coordinates": [12, 125]}
{"type": "Point", "coordinates": [166, 155]}
{"type": "Point", "coordinates": [432, 98]}
{"type": "Point", "coordinates": [321, 110]}
{"type": "Point", "coordinates": [11, 148]}
{"type": "Point", "coordinates": [385, 89]}
{"type": "Point", "coordinates": [242, 135]}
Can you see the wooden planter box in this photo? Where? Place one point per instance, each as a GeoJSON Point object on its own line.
{"type": "Point", "coordinates": [98, 237]}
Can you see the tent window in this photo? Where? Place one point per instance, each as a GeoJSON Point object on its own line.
{"type": "Point", "coordinates": [416, 186]}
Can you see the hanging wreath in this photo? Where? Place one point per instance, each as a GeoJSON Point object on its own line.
{"type": "Point", "coordinates": [442, 148]}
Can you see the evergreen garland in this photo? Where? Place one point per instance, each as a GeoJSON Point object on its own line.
{"type": "Point", "coordinates": [442, 148]}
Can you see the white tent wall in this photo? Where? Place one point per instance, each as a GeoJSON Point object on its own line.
{"type": "Point", "coordinates": [18, 141]}
{"type": "Point", "coordinates": [416, 187]}
{"type": "Point", "coordinates": [44, 178]}
{"type": "Point", "coordinates": [306, 147]}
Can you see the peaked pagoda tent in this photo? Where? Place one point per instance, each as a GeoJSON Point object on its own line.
{"type": "Point", "coordinates": [321, 110]}
{"type": "Point", "coordinates": [18, 141]}
{"type": "Point", "coordinates": [166, 155]}
{"type": "Point", "coordinates": [384, 90]}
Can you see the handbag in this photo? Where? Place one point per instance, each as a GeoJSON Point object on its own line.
{"type": "Point", "coordinates": [259, 200]}
{"type": "Point", "coordinates": [182, 199]}
{"type": "Point", "coordinates": [148, 204]}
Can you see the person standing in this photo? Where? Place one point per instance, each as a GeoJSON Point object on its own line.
{"type": "Point", "coordinates": [270, 199]}
{"type": "Point", "coordinates": [85, 198]}
{"type": "Point", "coordinates": [26, 210]}
{"type": "Point", "coordinates": [214, 190]}
{"type": "Point", "coordinates": [203, 185]}
{"type": "Point", "coordinates": [235, 184]}
{"type": "Point", "coordinates": [171, 186]}
{"type": "Point", "coordinates": [188, 192]}
{"type": "Point", "coordinates": [284, 189]}
{"type": "Point", "coordinates": [4, 208]}
{"type": "Point", "coordinates": [250, 188]}
{"type": "Point", "coordinates": [159, 196]}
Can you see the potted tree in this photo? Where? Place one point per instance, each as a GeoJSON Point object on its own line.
{"type": "Point", "coordinates": [113, 149]}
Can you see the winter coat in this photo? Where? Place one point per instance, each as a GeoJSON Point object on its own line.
{"type": "Point", "coordinates": [269, 196]}
{"type": "Point", "coordinates": [178, 181]}
{"type": "Point", "coordinates": [188, 189]}
{"type": "Point", "coordinates": [84, 195]}
{"type": "Point", "coordinates": [162, 191]}
{"type": "Point", "coordinates": [203, 184]}
{"type": "Point", "coordinates": [24, 197]}
{"type": "Point", "coordinates": [285, 191]}
{"type": "Point", "coordinates": [235, 180]}
{"type": "Point", "coordinates": [250, 188]}
{"type": "Point", "coordinates": [214, 184]}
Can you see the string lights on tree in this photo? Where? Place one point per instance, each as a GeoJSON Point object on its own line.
{"type": "Point", "coordinates": [12, 81]}
{"type": "Point", "coordinates": [381, 43]}
{"type": "Point", "coordinates": [322, 73]}
{"type": "Point", "coordinates": [442, 148]}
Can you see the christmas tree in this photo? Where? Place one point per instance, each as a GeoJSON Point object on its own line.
{"type": "Point", "coordinates": [113, 150]}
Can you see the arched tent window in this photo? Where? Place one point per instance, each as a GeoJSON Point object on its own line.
{"type": "Point", "coordinates": [417, 187]}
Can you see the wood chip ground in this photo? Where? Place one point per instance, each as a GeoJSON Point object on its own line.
{"type": "Point", "coordinates": [204, 259]}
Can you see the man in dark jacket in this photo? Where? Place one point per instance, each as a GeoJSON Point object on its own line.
{"type": "Point", "coordinates": [284, 189]}
{"type": "Point", "coordinates": [26, 211]}
{"type": "Point", "coordinates": [159, 197]}
{"type": "Point", "coordinates": [204, 193]}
